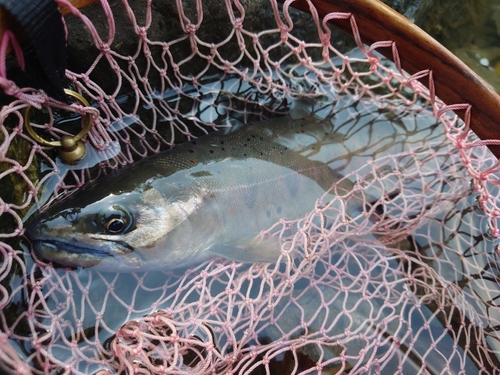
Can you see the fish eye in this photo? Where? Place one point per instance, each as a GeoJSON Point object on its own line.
{"type": "Point", "coordinates": [115, 220]}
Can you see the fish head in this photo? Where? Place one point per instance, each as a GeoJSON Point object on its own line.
{"type": "Point", "coordinates": [131, 231]}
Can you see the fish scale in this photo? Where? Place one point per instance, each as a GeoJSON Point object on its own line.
{"type": "Point", "coordinates": [213, 196]}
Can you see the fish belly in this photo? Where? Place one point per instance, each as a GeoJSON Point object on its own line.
{"type": "Point", "coordinates": [250, 196]}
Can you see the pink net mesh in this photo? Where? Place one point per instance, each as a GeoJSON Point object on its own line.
{"type": "Point", "coordinates": [413, 291]}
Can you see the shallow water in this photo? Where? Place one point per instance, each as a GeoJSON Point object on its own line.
{"type": "Point", "coordinates": [380, 279]}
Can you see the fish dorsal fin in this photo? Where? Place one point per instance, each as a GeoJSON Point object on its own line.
{"type": "Point", "coordinates": [250, 250]}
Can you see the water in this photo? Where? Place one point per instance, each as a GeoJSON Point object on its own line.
{"type": "Point", "coordinates": [358, 286]}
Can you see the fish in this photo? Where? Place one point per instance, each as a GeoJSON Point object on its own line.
{"type": "Point", "coordinates": [212, 196]}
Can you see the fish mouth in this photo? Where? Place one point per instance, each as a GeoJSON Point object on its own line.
{"type": "Point", "coordinates": [73, 246]}
{"type": "Point", "coordinates": [74, 254]}
{"type": "Point", "coordinates": [45, 245]}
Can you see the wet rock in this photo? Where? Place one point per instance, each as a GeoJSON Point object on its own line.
{"type": "Point", "coordinates": [485, 62]}
{"type": "Point", "coordinates": [448, 22]}
{"type": "Point", "coordinates": [215, 28]}
{"type": "Point", "coordinates": [13, 185]}
{"type": "Point", "coordinates": [452, 23]}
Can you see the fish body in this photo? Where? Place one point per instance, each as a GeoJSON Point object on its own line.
{"type": "Point", "coordinates": [209, 197]}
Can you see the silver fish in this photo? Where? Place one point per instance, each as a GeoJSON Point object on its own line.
{"type": "Point", "coordinates": [204, 198]}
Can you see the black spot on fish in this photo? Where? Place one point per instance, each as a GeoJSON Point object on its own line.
{"type": "Point", "coordinates": [221, 142]}
{"type": "Point", "coordinates": [201, 174]}
{"type": "Point", "coordinates": [211, 151]}
{"type": "Point", "coordinates": [193, 142]}
{"type": "Point", "coordinates": [268, 213]}
{"type": "Point", "coordinates": [222, 148]}
{"type": "Point", "coordinates": [191, 151]}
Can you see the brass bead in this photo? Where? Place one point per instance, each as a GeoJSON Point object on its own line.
{"type": "Point", "coordinates": [71, 151]}
{"type": "Point", "coordinates": [70, 148]}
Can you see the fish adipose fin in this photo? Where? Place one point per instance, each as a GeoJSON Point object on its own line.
{"type": "Point", "coordinates": [250, 250]}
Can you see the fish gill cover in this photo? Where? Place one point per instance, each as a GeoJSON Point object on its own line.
{"type": "Point", "coordinates": [409, 284]}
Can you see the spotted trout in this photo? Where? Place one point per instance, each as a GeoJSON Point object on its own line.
{"type": "Point", "coordinates": [210, 197]}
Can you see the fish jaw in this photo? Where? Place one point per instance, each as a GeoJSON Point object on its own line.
{"type": "Point", "coordinates": [74, 252]}
{"type": "Point", "coordinates": [113, 257]}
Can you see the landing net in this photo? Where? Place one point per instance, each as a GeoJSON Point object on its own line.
{"type": "Point", "coordinates": [411, 287]}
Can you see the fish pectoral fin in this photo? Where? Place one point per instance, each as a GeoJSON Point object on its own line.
{"type": "Point", "coordinates": [250, 250]}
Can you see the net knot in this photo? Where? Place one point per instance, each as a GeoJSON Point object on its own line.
{"type": "Point", "coordinates": [37, 286]}
{"type": "Point", "coordinates": [284, 30]}
{"type": "Point", "coordinates": [325, 39]}
{"type": "Point", "coordinates": [238, 24]}
{"type": "Point", "coordinates": [85, 78]}
{"type": "Point", "coordinates": [299, 49]}
{"type": "Point", "coordinates": [17, 169]}
{"type": "Point", "coordinates": [104, 47]}
{"type": "Point", "coordinates": [142, 32]}
{"type": "Point", "coordinates": [374, 61]}
{"type": "Point", "coordinates": [174, 338]}
{"type": "Point", "coordinates": [191, 29]}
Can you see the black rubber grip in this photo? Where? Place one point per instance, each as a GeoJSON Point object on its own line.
{"type": "Point", "coordinates": [45, 49]}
